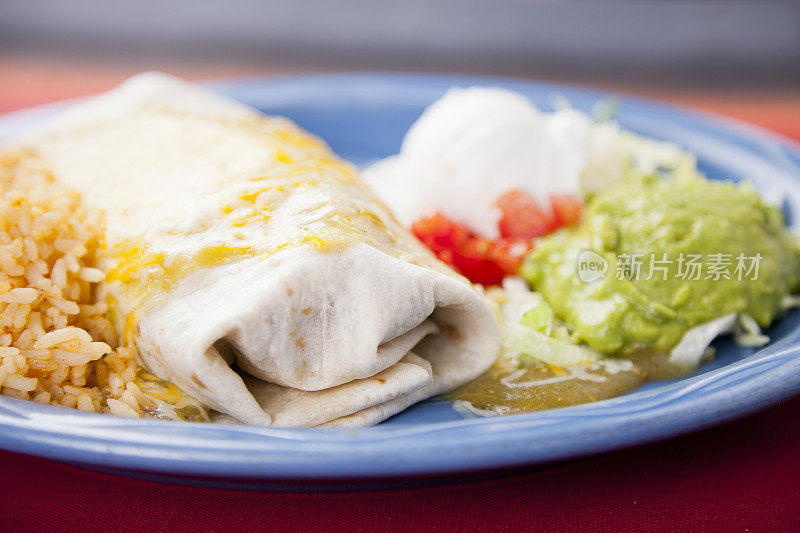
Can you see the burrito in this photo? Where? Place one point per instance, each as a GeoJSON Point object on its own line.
{"type": "Point", "coordinates": [252, 268]}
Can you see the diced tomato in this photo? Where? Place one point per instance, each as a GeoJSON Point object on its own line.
{"type": "Point", "coordinates": [508, 254]}
{"type": "Point", "coordinates": [480, 260]}
{"type": "Point", "coordinates": [567, 209]}
{"type": "Point", "coordinates": [474, 260]}
{"type": "Point", "coordinates": [488, 261]}
{"type": "Point", "coordinates": [522, 217]}
{"type": "Point", "coordinates": [439, 232]}
{"type": "Point", "coordinates": [457, 246]}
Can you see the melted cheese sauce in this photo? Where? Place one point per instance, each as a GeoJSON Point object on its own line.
{"type": "Point", "coordinates": [165, 401]}
{"type": "Point", "coordinates": [301, 196]}
{"type": "Point", "coordinates": [189, 181]}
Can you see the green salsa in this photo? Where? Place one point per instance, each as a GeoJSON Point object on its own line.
{"type": "Point", "coordinates": [653, 258]}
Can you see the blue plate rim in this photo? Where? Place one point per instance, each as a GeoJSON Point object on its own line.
{"type": "Point", "coordinates": [184, 449]}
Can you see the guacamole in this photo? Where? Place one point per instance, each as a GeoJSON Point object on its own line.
{"type": "Point", "coordinates": [653, 258]}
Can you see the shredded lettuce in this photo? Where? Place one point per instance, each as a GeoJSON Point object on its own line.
{"type": "Point", "coordinates": [540, 318]}
{"type": "Point", "coordinates": [605, 110]}
{"type": "Point", "coordinates": [748, 333]}
{"type": "Point", "coordinates": [531, 333]}
{"type": "Point", "coordinates": [615, 155]}
{"type": "Point", "coordinates": [467, 410]}
{"type": "Point", "coordinates": [514, 298]}
{"type": "Point", "coordinates": [790, 301]}
{"type": "Point", "coordinates": [692, 348]}
{"type": "Point", "coordinates": [529, 346]}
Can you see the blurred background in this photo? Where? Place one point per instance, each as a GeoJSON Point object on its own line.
{"type": "Point", "coordinates": [736, 57]}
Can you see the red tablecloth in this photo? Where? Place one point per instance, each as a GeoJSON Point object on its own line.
{"type": "Point", "coordinates": [744, 476]}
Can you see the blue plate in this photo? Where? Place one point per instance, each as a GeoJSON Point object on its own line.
{"type": "Point", "coordinates": [364, 117]}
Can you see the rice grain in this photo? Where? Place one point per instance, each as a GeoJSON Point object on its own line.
{"type": "Point", "coordinates": [24, 295]}
{"type": "Point", "coordinates": [57, 345]}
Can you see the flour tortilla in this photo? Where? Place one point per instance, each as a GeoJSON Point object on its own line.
{"type": "Point", "coordinates": [331, 314]}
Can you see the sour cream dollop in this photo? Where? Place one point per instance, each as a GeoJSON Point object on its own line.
{"type": "Point", "coordinates": [473, 145]}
